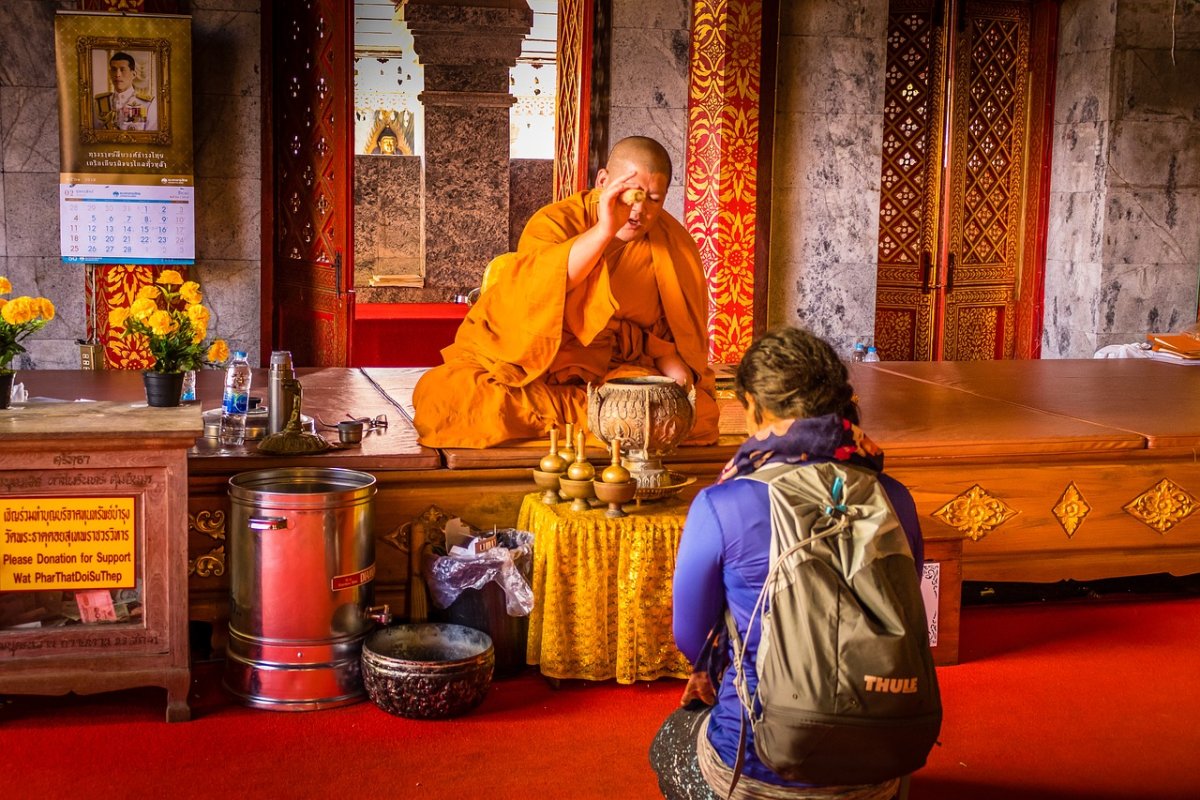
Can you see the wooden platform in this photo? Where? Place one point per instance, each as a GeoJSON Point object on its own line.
{"type": "Point", "coordinates": [1038, 470]}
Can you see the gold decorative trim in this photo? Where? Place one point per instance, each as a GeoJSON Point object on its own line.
{"type": "Point", "coordinates": [1071, 509]}
{"type": "Point", "coordinates": [975, 513]}
{"type": "Point", "coordinates": [1163, 506]}
{"type": "Point", "coordinates": [209, 565]}
{"type": "Point", "coordinates": [212, 525]}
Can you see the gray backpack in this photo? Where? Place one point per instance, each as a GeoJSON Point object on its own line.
{"type": "Point", "coordinates": [847, 693]}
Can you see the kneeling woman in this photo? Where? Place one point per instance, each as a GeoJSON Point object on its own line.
{"type": "Point", "coordinates": [799, 409]}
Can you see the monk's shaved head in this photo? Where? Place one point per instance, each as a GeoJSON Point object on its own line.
{"type": "Point", "coordinates": [640, 152]}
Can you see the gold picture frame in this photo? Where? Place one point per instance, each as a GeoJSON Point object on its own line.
{"type": "Point", "coordinates": [152, 63]}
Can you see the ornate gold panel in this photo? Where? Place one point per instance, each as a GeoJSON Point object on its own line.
{"type": "Point", "coordinates": [994, 134]}
{"type": "Point", "coordinates": [979, 324]}
{"type": "Point", "coordinates": [895, 331]}
{"type": "Point", "coordinates": [720, 207]}
{"type": "Point", "coordinates": [212, 525]}
{"type": "Point", "coordinates": [570, 148]}
{"type": "Point", "coordinates": [975, 513]}
{"type": "Point", "coordinates": [1071, 509]}
{"type": "Point", "coordinates": [906, 125]}
{"type": "Point", "coordinates": [909, 176]}
{"type": "Point", "coordinates": [1163, 506]}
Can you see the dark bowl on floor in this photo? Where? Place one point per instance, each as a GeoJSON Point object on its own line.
{"type": "Point", "coordinates": [427, 670]}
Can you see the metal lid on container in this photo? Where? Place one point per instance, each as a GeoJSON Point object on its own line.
{"type": "Point", "coordinates": [256, 423]}
{"type": "Point", "coordinates": [302, 487]}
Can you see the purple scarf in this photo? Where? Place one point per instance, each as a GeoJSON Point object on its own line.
{"type": "Point", "coordinates": [796, 441]}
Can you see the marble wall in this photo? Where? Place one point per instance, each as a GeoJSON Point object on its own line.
{"type": "Point", "coordinates": [1082, 128]}
{"type": "Point", "coordinates": [648, 72]}
{"type": "Point", "coordinates": [1123, 255]}
{"type": "Point", "coordinates": [387, 229]}
{"type": "Point", "coordinates": [828, 151]}
{"type": "Point", "coordinates": [29, 232]}
{"type": "Point", "coordinates": [227, 109]}
{"type": "Point", "coordinates": [387, 223]}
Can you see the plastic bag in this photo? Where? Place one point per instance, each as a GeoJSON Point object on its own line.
{"type": "Point", "coordinates": [508, 564]}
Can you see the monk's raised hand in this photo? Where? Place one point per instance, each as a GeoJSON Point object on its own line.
{"type": "Point", "coordinates": [614, 211]}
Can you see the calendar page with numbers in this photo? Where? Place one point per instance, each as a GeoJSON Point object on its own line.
{"type": "Point", "coordinates": [127, 224]}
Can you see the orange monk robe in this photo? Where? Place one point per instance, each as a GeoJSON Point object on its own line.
{"type": "Point", "coordinates": [523, 357]}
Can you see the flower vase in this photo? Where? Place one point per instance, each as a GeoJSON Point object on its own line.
{"type": "Point", "coordinates": [6, 384]}
{"type": "Point", "coordinates": [163, 389]}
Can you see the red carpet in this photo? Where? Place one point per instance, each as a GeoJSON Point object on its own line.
{"type": "Point", "coordinates": [1090, 700]}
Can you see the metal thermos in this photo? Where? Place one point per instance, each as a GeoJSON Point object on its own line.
{"type": "Point", "coordinates": [280, 400]}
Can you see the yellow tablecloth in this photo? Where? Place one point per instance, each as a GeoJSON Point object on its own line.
{"type": "Point", "coordinates": [602, 591]}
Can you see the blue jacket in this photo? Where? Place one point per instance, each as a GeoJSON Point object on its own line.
{"type": "Point", "coordinates": [723, 559]}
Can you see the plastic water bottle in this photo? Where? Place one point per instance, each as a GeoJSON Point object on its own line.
{"type": "Point", "coordinates": [859, 353]}
{"type": "Point", "coordinates": [236, 401]}
{"type": "Point", "coordinates": [189, 386]}
{"type": "Point", "coordinates": [872, 355]}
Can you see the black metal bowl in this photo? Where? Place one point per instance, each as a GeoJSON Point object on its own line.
{"type": "Point", "coordinates": [427, 670]}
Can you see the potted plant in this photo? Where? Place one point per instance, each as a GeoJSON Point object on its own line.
{"type": "Point", "coordinates": [174, 322]}
{"type": "Point", "coordinates": [19, 317]}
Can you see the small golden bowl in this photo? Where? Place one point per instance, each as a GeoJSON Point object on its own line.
{"type": "Point", "coordinates": [549, 482]}
{"type": "Point", "coordinates": [615, 494]}
{"type": "Point", "coordinates": [578, 491]}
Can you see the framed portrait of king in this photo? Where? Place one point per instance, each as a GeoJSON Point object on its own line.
{"type": "Point", "coordinates": [126, 183]}
{"type": "Point", "coordinates": [124, 80]}
{"type": "Point", "coordinates": [125, 90]}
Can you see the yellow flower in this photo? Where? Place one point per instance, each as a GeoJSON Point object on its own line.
{"type": "Point", "coordinates": [170, 277]}
{"type": "Point", "coordinates": [18, 311]}
{"type": "Point", "coordinates": [198, 314]}
{"type": "Point", "coordinates": [190, 292]}
{"type": "Point", "coordinates": [199, 331]}
{"type": "Point", "coordinates": [149, 292]}
{"type": "Point", "coordinates": [142, 308]}
{"type": "Point", "coordinates": [219, 351]}
{"type": "Point", "coordinates": [161, 323]}
{"type": "Point", "coordinates": [20, 317]}
{"type": "Point", "coordinates": [117, 317]}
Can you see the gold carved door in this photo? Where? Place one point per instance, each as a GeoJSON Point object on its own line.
{"type": "Point", "coordinates": [955, 181]}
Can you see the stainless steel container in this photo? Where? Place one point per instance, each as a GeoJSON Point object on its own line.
{"type": "Point", "coordinates": [302, 569]}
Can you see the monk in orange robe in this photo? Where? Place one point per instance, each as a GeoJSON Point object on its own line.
{"type": "Point", "coordinates": [600, 287]}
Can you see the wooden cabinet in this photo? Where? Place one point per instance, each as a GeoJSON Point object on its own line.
{"type": "Point", "coordinates": [93, 585]}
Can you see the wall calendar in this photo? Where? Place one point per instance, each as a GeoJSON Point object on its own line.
{"type": "Point", "coordinates": [126, 191]}
{"type": "Point", "coordinates": [127, 224]}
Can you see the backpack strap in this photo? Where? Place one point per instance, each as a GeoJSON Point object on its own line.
{"type": "Point", "coordinates": [739, 683]}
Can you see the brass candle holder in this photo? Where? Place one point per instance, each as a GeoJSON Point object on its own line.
{"type": "Point", "coordinates": [615, 486]}
{"type": "Point", "coordinates": [567, 451]}
{"type": "Point", "coordinates": [581, 469]}
{"type": "Point", "coordinates": [549, 470]}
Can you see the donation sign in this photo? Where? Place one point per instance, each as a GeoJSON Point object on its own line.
{"type": "Point", "coordinates": [67, 543]}
{"type": "Point", "coordinates": [126, 190]}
